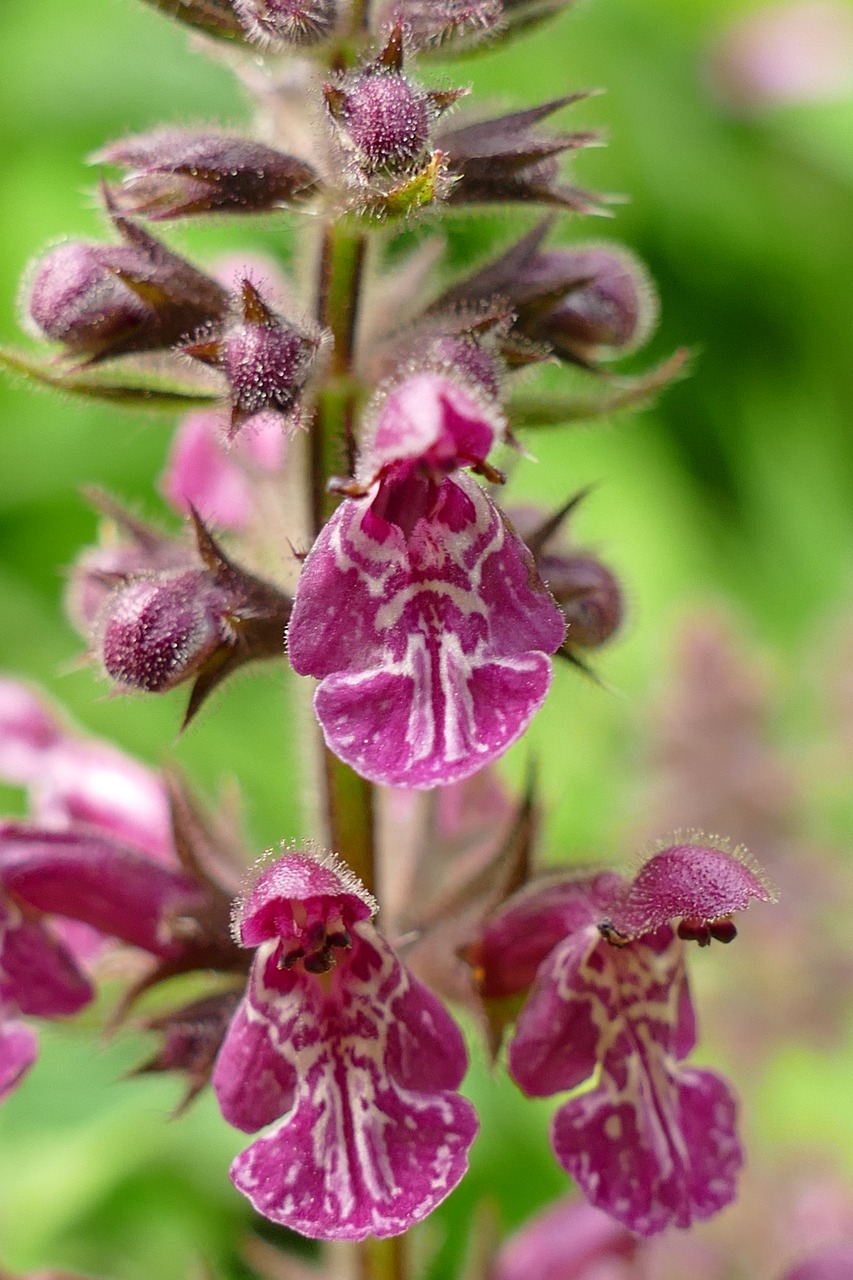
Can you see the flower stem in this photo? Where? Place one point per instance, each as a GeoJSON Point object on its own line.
{"type": "Point", "coordinates": [383, 1259]}
{"type": "Point", "coordinates": [349, 799]}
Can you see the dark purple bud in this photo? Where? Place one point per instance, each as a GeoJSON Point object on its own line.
{"type": "Point", "coordinates": [265, 358]}
{"type": "Point", "coordinates": [109, 300]}
{"type": "Point", "coordinates": [584, 303]}
{"type": "Point", "coordinates": [587, 592]}
{"type": "Point", "coordinates": [175, 173]}
{"type": "Point", "coordinates": [200, 623]}
{"type": "Point", "coordinates": [506, 159]}
{"type": "Point", "coordinates": [213, 17]}
{"type": "Point", "coordinates": [385, 120]}
{"type": "Point", "coordinates": [610, 312]}
{"type": "Point", "coordinates": [157, 632]}
{"type": "Point", "coordinates": [589, 596]}
{"type": "Point", "coordinates": [298, 22]}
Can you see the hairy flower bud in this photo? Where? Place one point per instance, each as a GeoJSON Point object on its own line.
{"type": "Point", "coordinates": [199, 622]}
{"type": "Point", "coordinates": [109, 300]}
{"type": "Point", "coordinates": [584, 303]}
{"type": "Point", "coordinates": [266, 360]}
{"type": "Point", "coordinates": [383, 121]}
{"type": "Point", "coordinates": [175, 173]}
{"type": "Point", "coordinates": [610, 311]}
{"type": "Point", "coordinates": [127, 547]}
{"type": "Point", "coordinates": [213, 17]}
{"type": "Point", "coordinates": [282, 22]}
{"type": "Point", "coordinates": [383, 118]}
{"type": "Point", "coordinates": [447, 25]}
{"type": "Point", "coordinates": [157, 632]}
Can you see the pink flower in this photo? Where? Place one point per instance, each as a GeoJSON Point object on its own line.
{"type": "Point", "coordinates": [650, 1141]}
{"type": "Point", "coordinates": [569, 1241]}
{"type": "Point", "coordinates": [419, 609]}
{"type": "Point", "coordinates": [90, 864]}
{"type": "Point", "coordinates": [352, 1062]}
{"type": "Point", "coordinates": [216, 478]}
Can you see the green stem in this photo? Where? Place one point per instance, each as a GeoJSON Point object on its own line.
{"type": "Point", "coordinates": [383, 1259]}
{"type": "Point", "coordinates": [348, 798]}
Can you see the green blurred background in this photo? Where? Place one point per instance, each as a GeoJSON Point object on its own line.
{"type": "Point", "coordinates": [736, 489]}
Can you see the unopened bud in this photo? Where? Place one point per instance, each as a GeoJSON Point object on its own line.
{"type": "Point", "coordinates": [589, 596]}
{"type": "Point", "coordinates": [266, 360]}
{"type": "Point", "coordinates": [128, 548]}
{"type": "Point", "coordinates": [157, 632]}
{"type": "Point", "coordinates": [506, 159]}
{"type": "Point", "coordinates": [109, 300]}
{"type": "Point", "coordinates": [587, 592]}
{"type": "Point", "coordinates": [300, 22]}
{"type": "Point", "coordinates": [213, 17]}
{"type": "Point", "coordinates": [175, 173]}
{"type": "Point", "coordinates": [610, 311]}
{"type": "Point", "coordinates": [194, 623]}
{"type": "Point", "coordinates": [584, 303]}
{"type": "Point", "coordinates": [384, 118]}
{"type": "Point", "coordinates": [447, 25]}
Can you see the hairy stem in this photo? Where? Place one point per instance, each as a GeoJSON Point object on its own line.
{"type": "Point", "coordinates": [349, 799]}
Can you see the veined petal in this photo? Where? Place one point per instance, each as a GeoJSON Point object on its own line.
{"type": "Point", "coordinates": [367, 1061]}
{"type": "Point", "coordinates": [431, 648]}
{"type": "Point", "coordinates": [652, 1144]}
{"type": "Point", "coordinates": [18, 1052]}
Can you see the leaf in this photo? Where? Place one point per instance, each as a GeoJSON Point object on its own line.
{"type": "Point", "coordinates": [617, 394]}
{"type": "Point", "coordinates": [154, 387]}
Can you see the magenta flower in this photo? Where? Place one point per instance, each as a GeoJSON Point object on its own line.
{"type": "Point", "coordinates": [215, 479]}
{"type": "Point", "coordinates": [89, 865]}
{"type": "Point", "coordinates": [650, 1141]}
{"type": "Point", "coordinates": [569, 1240]}
{"type": "Point", "coordinates": [353, 1063]}
{"type": "Point", "coordinates": [419, 609]}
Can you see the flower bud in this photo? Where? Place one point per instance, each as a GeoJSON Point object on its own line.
{"type": "Point", "coordinates": [109, 300]}
{"type": "Point", "coordinates": [281, 22]}
{"type": "Point", "coordinates": [589, 596]}
{"type": "Point", "coordinates": [584, 303]}
{"type": "Point", "coordinates": [383, 118]}
{"type": "Point", "coordinates": [128, 547]}
{"type": "Point", "coordinates": [611, 310]}
{"type": "Point", "coordinates": [199, 622]}
{"type": "Point", "coordinates": [266, 360]}
{"type": "Point", "coordinates": [587, 592]}
{"type": "Point", "coordinates": [157, 632]}
{"type": "Point", "coordinates": [447, 25]}
{"type": "Point", "coordinates": [213, 17]}
{"type": "Point", "coordinates": [175, 173]}
{"type": "Point", "coordinates": [505, 159]}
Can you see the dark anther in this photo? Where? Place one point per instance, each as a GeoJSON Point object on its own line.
{"type": "Point", "coordinates": [612, 935]}
{"type": "Point", "coordinates": [695, 931]}
{"type": "Point", "coordinates": [319, 962]}
{"type": "Point", "coordinates": [723, 930]}
{"type": "Point", "coordinates": [341, 939]}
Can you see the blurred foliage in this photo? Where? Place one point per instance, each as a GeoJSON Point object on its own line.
{"type": "Point", "coordinates": [737, 487]}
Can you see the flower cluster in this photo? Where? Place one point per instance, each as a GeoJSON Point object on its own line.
{"type": "Point", "coordinates": [337, 478]}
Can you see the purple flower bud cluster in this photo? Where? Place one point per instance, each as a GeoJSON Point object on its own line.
{"type": "Point", "coordinates": [337, 481]}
